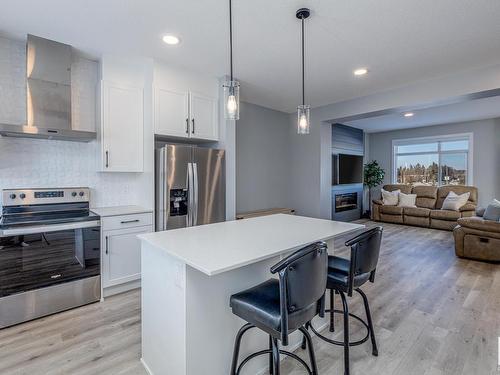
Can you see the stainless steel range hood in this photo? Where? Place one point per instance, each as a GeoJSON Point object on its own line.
{"type": "Point", "coordinates": [48, 101]}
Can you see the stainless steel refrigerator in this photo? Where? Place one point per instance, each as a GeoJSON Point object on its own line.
{"type": "Point", "coordinates": [190, 186]}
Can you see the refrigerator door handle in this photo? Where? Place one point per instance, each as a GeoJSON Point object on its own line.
{"type": "Point", "coordinates": [189, 217]}
{"type": "Point", "coordinates": [195, 193]}
{"type": "Point", "coordinates": [163, 203]}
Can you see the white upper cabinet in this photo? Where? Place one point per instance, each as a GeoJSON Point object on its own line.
{"type": "Point", "coordinates": [122, 128]}
{"type": "Point", "coordinates": [185, 114]}
{"type": "Point", "coordinates": [171, 111]}
{"type": "Point", "coordinates": [203, 115]}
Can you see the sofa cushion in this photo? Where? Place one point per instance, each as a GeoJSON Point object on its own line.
{"type": "Point", "coordinates": [480, 224]}
{"type": "Point", "coordinates": [390, 198]}
{"type": "Point", "coordinates": [443, 224]}
{"type": "Point", "coordinates": [443, 192]}
{"type": "Point", "coordinates": [417, 220]}
{"type": "Point", "coordinates": [407, 200]}
{"type": "Point", "coordinates": [454, 202]}
{"type": "Point", "coordinates": [416, 211]}
{"type": "Point", "coordinates": [396, 219]}
{"type": "Point", "coordinates": [391, 210]}
{"type": "Point", "coordinates": [468, 207]}
{"type": "Point", "coordinates": [445, 215]}
{"type": "Point", "coordinates": [492, 212]}
{"type": "Point", "coordinates": [403, 187]}
{"type": "Point", "coordinates": [426, 195]}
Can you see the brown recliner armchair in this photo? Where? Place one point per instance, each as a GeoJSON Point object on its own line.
{"type": "Point", "coordinates": [476, 238]}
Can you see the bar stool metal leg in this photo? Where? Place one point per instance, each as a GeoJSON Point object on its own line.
{"type": "Point", "coordinates": [304, 342]}
{"type": "Point", "coordinates": [312, 356]}
{"type": "Point", "coordinates": [332, 308]}
{"type": "Point", "coordinates": [271, 365]}
{"type": "Point", "coordinates": [346, 333]}
{"type": "Point", "coordinates": [370, 323]}
{"type": "Point", "coordinates": [237, 343]}
{"type": "Point", "coordinates": [276, 356]}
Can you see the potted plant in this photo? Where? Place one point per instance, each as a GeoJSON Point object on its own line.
{"type": "Point", "coordinates": [373, 176]}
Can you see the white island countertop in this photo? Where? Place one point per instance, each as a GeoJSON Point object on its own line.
{"type": "Point", "coordinates": [217, 248]}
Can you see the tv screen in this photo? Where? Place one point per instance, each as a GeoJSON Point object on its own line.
{"type": "Point", "coordinates": [350, 169]}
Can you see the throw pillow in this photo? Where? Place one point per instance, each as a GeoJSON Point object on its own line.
{"type": "Point", "coordinates": [492, 211]}
{"type": "Point", "coordinates": [407, 200]}
{"type": "Point", "coordinates": [390, 198]}
{"type": "Point", "coordinates": [453, 201]}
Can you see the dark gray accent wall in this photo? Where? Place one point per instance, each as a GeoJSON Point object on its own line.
{"type": "Point", "coordinates": [262, 159]}
{"type": "Point", "coordinates": [486, 151]}
{"type": "Point", "coordinates": [347, 140]}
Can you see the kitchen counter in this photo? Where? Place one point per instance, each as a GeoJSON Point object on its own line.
{"type": "Point", "coordinates": [119, 210]}
{"type": "Point", "coordinates": [189, 274]}
{"type": "Point", "coordinates": [221, 247]}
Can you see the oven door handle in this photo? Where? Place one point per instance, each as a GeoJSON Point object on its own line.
{"type": "Point", "coordinates": [48, 228]}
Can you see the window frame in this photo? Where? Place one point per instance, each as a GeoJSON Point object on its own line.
{"type": "Point", "coordinates": [436, 139]}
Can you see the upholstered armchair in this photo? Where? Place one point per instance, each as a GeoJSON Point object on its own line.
{"type": "Point", "coordinates": [477, 238]}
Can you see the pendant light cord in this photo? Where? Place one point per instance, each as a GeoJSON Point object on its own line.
{"type": "Point", "coordinates": [231, 38]}
{"type": "Point", "coordinates": [303, 69]}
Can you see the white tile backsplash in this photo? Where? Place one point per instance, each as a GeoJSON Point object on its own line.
{"type": "Point", "coordinates": [33, 163]}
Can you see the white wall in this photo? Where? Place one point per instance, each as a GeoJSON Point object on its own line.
{"type": "Point", "coordinates": [486, 151]}
{"type": "Point", "coordinates": [262, 159]}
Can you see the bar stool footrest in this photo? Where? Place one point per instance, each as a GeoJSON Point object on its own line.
{"type": "Point", "coordinates": [341, 343]}
{"type": "Point", "coordinates": [269, 351]}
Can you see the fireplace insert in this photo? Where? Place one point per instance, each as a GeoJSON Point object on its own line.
{"type": "Point", "coordinates": [346, 202]}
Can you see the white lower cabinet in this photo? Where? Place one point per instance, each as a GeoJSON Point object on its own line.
{"type": "Point", "coordinates": [121, 253]}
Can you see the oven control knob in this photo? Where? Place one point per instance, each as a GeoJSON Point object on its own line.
{"type": "Point", "coordinates": [81, 194]}
{"type": "Point", "coordinates": [22, 195]}
{"type": "Point", "coordinates": [73, 194]}
{"type": "Point", "coordinates": [12, 196]}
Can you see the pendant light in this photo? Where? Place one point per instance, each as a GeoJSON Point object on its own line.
{"type": "Point", "coordinates": [303, 110]}
{"type": "Point", "coordinates": [231, 87]}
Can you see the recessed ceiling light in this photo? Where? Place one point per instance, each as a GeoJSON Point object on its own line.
{"type": "Point", "coordinates": [171, 39]}
{"type": "Point", "coordinates": [360, 72]}
{"type": "Point", "coordinates": [409, 114]}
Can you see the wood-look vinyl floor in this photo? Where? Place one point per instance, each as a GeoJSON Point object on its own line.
{"type": "Point", "coordinates": [434, 314]}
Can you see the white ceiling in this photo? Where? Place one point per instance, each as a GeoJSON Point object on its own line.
{"type": "Point", "coordinates": [478, 109]}
{"type": "Point", "coordinates": [400, 41]}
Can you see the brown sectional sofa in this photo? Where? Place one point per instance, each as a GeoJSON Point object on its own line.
{"type": "Point", "coordinates": [477, 238]}
{"type": "Point", "coordinates": [428, 212]}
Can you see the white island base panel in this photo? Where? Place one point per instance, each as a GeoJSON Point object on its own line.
{"type": "Point", "coordinates": [187, 325]}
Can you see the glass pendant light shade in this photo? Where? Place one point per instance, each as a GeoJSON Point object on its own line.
{"type": "Point", "coordinates": [232, 100]}
{"type": "Point", "coordinates": [303, 119]}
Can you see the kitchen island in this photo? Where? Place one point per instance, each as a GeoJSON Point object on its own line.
{"type": "Point", "coordinates": [188, 276]}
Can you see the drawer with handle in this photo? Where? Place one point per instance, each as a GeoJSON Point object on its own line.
{"type": "Point", "coordinates": [127, 221]}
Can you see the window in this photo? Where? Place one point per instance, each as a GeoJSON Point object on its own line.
{"type": "Point", "coordinates": [433, 161]}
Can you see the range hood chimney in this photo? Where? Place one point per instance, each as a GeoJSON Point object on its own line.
{"type": "Point", "coordinates": [48, 102]}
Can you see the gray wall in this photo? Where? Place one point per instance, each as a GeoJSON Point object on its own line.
{"type": "Point", "coordinates": [486, 151]}
{"type": "Point", "coordinates": [262, 159]}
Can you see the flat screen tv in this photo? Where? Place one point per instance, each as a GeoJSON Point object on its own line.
{"type": "Point", "coordinates": [347, 169]}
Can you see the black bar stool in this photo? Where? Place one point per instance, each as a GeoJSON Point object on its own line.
{"type": "Point", "coordinates": [280, 307]}
{"type": "Point", "coordinates": [344, 276]}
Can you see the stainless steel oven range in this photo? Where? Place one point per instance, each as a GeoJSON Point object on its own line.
{"type": "Point", "coordinates": [49, 253]}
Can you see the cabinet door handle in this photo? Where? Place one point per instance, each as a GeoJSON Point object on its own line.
{"type": "Point", "coordinates": [192, 130]}
{"type": "Point", "coordinates": [107, 244]}
{"type": "Point", "coordinates": [130, 221]}
{"type": "Point", "coordinates": [107, 159]}
{"type": "Point", "coordinates": [187, 126]}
